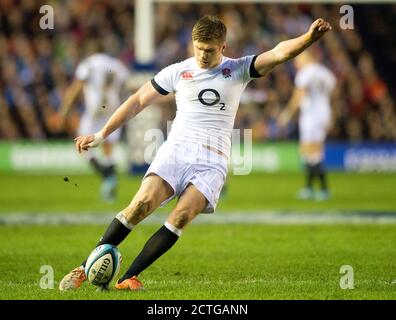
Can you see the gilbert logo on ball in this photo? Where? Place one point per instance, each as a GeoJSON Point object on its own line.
{"type": "Point", "coordinates": [103, 264]}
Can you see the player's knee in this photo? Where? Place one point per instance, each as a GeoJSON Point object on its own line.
{"type": "Point", "coordinates": [181, 218]}
{"type": "Point", "coordinates": [139, 209]}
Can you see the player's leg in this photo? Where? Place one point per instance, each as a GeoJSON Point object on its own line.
{"type": "Point", "coordinates": [189, 205]}
{"type": "Point", "coordinates": [95, 164]}
{"type": "Point", "coordinates": [324, 192]}
{"type": "Point", "coordinates": [103, 164]}
{"type": "Point", "coordinates": [309, 171]}
{"type": "Point", "coordinates": [103, 168]}
{"type": "Point", "coordinates": [87, 126]}
{"type": "Point", "coordinates": [320, 173]}
{"type": "Point", "coordinates": [316, 151]}
{"type": "Point", "coordinates": [307, 130]}
{"type": "Point", "coordinates": [109, 165]}
{"type": "Point", "coordinates": [152, 192]}
{"type": "Point", "coordinates": [313, 153]}
{"type": "Point", "coordinates": [109, 185]}
{"type": "Point", "coordinates": [323, 126]}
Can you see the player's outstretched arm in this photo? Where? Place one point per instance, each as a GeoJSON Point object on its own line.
{"type": "Point", "coordinates": [288, 49]}
{"type": "Point", "coordinates": [145, 96]}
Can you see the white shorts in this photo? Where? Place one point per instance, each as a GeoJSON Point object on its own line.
{"type": "Point", "coordinates": [313, 130]}
{"type": "Point", "coordinates": [89, 125]}
{"type": "Point", "coordinates": [181, 164]}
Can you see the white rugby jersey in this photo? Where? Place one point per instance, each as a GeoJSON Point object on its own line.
{"type": "Point", "coordinates": [104, 77]}
{"type": "Point", "coordinates": [318, 82]}
{"type": "Point", "coordinates": [207, 99]}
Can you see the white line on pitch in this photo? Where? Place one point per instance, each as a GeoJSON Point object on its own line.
{"type": "Point", "coordinates": [249, 217]}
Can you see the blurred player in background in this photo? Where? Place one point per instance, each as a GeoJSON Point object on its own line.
{"type": "Point", "coordinates": [102, 78]}
{"type": "Point", "coordinates": [192, 163]}
{"type": "Point", "coordinates": [314, 84]}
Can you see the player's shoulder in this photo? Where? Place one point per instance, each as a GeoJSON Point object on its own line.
{"type": "Point", "coordinates": [97, 57]}
{"type": "Point", "coordinates": [236, 62]}
{"type": "Point", "coordinates": [312, 69]}
{"type": "Point", "coordinates": [187, 63]}
{"type": "Point", "coordinates": [105, 61]}
{"type": "Point", "coordinates": [314, 72]}
{"type": "Point", "coordinates": [317, 67]}
{"type": "Point", "coordinates": [178, 67]}
{"type": "Point", "coordinates": [102, 59]}
{"type": "Point", "coordinates": [327, 70]}
{"type": "Point", "coordinates": [94, 60]}
{"type": "Point", "coordinates": [240, 68]}
{"type": "Point", "coordinates": [324, 72]}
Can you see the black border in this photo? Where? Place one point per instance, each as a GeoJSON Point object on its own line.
{"type": "Point", "coordinates": [256, 309]}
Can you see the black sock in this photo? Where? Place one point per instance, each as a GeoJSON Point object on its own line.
{"type": "Point", "coordinates": [97, 166]}
{"type": "Point", "coordinates": [156, 246]}
{"type": "Point", "coordinates": [116, 232]}
{"type": "Point", "coordinates": [109, 170]}
{"type": "Point", "coordinates": [321, 173]}
{"type": "Point", "coordinates": [310, 175]}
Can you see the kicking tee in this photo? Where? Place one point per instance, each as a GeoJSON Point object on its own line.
{"type": "Point", "coordinates": [206, 99]}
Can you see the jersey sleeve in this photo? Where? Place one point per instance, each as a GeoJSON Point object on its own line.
{"type": "Point", "coordinates": [247, 70]}
{"type": "Point", "coordinates": [82, 71]}
{"type": "Point", "coordinates": [165, 80]}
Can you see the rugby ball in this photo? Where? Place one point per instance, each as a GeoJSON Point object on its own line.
{"type": "Point", "coordinates": [103, 264]}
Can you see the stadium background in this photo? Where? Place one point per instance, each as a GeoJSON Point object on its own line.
{"type": "Point", "coordinates": [36, 156]}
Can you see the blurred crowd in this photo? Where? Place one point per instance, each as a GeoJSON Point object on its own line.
{"type": "Point", "coordinates": [37, 65]}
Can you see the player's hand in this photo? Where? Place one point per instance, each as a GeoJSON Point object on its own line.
{"type": "Point", "coordinates": [318, 28]}
{"type": "Point", "coordinates": [89, 141]}
{"type": "Point", "coordinates": [83, 142]}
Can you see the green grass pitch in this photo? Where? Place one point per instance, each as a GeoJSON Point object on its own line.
{"type": "Point", "coordinates": [222, 261]}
